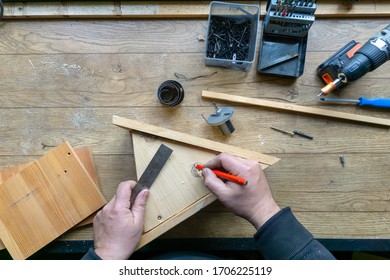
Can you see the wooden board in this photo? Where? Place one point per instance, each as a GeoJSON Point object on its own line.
{"type": "Point", "coordinates": [294, 108]}
{"type": "Point", "coordinates": [200, 143]}
{"type": "Point", "coordinates": [175, 189]}
{"type": "Point", "coordinates": [172, 9]}
{"type": "Point", "coordinates": [44, 200]}
{"type": "Point", "coordinates": [85, 156]}
{"type": "Point", "coordinates": [176, 194]}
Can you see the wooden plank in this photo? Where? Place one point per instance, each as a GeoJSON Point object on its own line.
{"type": "Point", "coordinates": [172, 9]}
{"type": "Point", "coordinates": [44, 200]}
{"type": "Point", "coordinates": [85, 156]}
{"type": "Point", "coordinates": [331, 224]}
{"type": "Point", "coordinates": [265, 160]}
{"type": "Point", "coordinates": [175, 188]}
{"type": "Point", "coordinates": [294, 108]}
{"type": "Point", "coordinates": [176, 194]}
{"type": "Point", "coordinates": [131, 45]}
{"type": "Point", "coordinates": [252, 131]}
{"type": "Point", "coordinates": [84, 127]}
{"type": "Point", "coordinates": [320, 224]}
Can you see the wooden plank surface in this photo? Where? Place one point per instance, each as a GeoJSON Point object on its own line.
{"type": "Point", "coordinates": [44, 200]}
{"type": "Point", "coordinates": [284, 106]}
{"type": "Point", "coordinates": [173, 9]}
{"type": "Point", "coordinates": [85, 156]}
{"type": "Point", "coordinates": [175, 188]}
{"type": "Point", "coordinates": [176, 194]}
{"type": "Point", "coordinates": [193, 141]}
{"type": "Point", "coordinates": [65, 79]}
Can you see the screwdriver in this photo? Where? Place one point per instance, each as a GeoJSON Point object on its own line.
{"type": "Point", "coordinates": [383, 103]}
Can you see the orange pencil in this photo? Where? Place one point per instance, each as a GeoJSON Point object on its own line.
{"type": "Point", "coordinates": [224, 175]}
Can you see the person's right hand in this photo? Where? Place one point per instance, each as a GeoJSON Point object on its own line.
{"type": "Point", "coordinates": [253, 202]}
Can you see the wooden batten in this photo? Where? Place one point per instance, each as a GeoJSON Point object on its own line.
{"type": "Point", "coordinates": [171, 9]}
{"type": "Point", "coordinates": [294, 108]}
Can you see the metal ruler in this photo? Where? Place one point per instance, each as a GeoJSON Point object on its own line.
{"type": "Point", "coordinates": [151, 172]}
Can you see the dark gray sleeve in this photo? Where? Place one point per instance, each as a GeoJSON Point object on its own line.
{"type": "Point", "coordinates": [283, 237]}
{"type": "Point", "coordinates": [91, 255]}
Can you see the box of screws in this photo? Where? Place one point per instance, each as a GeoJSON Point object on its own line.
{"type": "Point", "coordinates": [232, 35]}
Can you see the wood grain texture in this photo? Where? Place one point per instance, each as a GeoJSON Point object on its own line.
{"type": "Point", "coordinates": [177, 194]}
{"type": "Point", "coordinates": [45, 199]}
{"type": "Point", "coordinates": [293, 108]}
{"type": "Point", "coordinates": [194, 141]}
{"type": "Point", "coordinates": [85, 156]}
{"type": "Point", "coordinates": [172, 9]}
{"type": "Point", "coordinates": [344, 196]}
{"type": "Point", "coordinates": [64, 79]}
{"type": "Point", "coordinates": [175, 187]}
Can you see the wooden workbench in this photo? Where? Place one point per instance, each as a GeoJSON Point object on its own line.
{"type": "Point", "coordinates": [65, 79]}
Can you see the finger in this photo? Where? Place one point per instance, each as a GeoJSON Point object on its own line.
{"type": "Point", "coordinates": [123, 194]}
{"type": "Point", "coordinates": [213, 183]}
{"type": "Point", "coordinates": [223, 161]}
{"type": "Point", "coordinates": [97, 217]}
{"type": "Point", "coordinates": [139, 206]}
{"type": "Point", "coordinates": [132, 184]}
{"type": "Point", "coordinates": [215, 163]}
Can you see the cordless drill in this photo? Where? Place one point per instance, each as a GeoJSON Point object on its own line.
{"type": "Point", "coordinates": [354, 60]}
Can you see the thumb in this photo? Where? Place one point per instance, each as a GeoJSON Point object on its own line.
{"type": "Point", "coordinates": [212, 182]}
{"type": "Point", "coordinates": [139, 206]}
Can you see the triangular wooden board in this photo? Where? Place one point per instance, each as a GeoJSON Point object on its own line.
{"type": "Point", "coordinates": [44, 200]}
{"type": "Point", "coordinates": [176, 194]}
{"type": "Point", "coordinates": [85, 156]}
{"type": "Point", "coordinates": [175, 187]}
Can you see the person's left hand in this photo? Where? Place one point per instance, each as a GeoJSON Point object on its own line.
{"type": "Point", "coordinates": [117, 228]}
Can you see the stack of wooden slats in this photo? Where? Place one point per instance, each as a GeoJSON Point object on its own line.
{"type": "Point", "coordinates": [43, 199]}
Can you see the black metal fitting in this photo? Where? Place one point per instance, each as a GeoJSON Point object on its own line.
{"type": "Point", "coordinates": [170, 93]}
{"type": "Point", "coordinates": [221, 118]}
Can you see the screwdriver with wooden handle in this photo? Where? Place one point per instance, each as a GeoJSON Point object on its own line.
{"type": "Point", "coordinates": [383, 103]}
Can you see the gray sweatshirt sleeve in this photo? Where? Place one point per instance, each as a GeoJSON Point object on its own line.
{"type": "Point", "coordinates": [283, 237]}
{"type": "Point", "coordinates": [91, 255]}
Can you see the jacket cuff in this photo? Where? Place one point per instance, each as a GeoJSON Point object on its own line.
{"type": "Point", "coordinates": [282, 236]}
{"type": "Point", "coordinates": [91, 255]}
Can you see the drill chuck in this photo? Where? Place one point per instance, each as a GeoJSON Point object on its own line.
{"type": "Point", "coordinates": [370, 56]}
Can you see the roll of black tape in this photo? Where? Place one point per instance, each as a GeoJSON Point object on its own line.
{"type": "Point", "coordinates": [170, 93]}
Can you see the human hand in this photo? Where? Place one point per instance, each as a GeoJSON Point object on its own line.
{"type": "Point", "coordinates": [117, 228]}
{"type": "Point", "coordinates": [253, 202]}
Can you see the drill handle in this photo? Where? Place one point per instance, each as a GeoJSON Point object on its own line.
{"type": "Point", "coordinates": [370, 56]}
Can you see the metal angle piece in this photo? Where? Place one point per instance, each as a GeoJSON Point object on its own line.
{"type": "Point", "coordinates": [279, 60]}
{"type": "Point", "coordinates": [151, 172]}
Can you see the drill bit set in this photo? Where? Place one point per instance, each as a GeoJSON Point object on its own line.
{"type": "Point", "coordinates": [290, 18]}
{"type": "Point", "coordinates": [284, 40]}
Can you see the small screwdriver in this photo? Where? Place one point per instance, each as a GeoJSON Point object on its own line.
{"type": "Point", "coordinates": [383, 103]}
